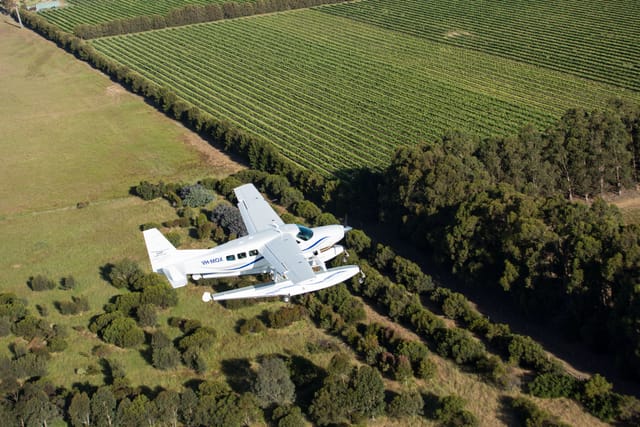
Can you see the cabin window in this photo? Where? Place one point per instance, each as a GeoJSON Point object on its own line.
{"type": "Point", "coordinates": [253, 252]}
{"type": "Point", "coordinates": [242, 255]}
{"type": "Point", "coordinates": [231, 257]}
{"type": "Point", "coordinates": [305, 233]}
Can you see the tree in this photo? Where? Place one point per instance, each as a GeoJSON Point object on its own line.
{"type": "Point", "coordinates": [366, 393]}
{"type": "Point", "coordinates": [188, 405]}
{"type": "Point", "coordinates": [33, 407]}
{"type": "Point", "coordinates": [273, 383]}
{"type": "Point", "coordinates": [80, 410]}
{"type": "Point", "coordinates": [330, 403]}
{"type": "Point", "coordinates": [167, 403]}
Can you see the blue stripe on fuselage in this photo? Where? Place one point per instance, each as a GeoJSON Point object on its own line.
{"type": "Point", "coordinates": [304, 250]}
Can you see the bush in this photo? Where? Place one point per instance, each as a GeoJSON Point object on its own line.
{"type": "Point", "coordinates": [123, 332]}
{"type": "Point", "coordinates": [253, 325]}
{"type": "Point", "coordinates": [553, 385]}
{"type": "Point", "coordinates": [286, 315]}
{"type": "Point", "coordinates": [68, 282]}
{"type": "Point", "coordinates": [196, 196]}
{"type": "Point", "coordinates": [407, 404]}
{"type": "Point", "coordinates": [528, 414]}
{"type": "Point", "coordinates": [148, 191]}
{"type": "Point", "coordinates": [124, 273]}
{"type": "Point", "coordinates": [75, 306]}
{"type": "Point", "coordinates": [451, 412]}
{"type": "Point", "coordinates": [166, 357]}
{"type": "Point", "coordinates": [174, 238]}
{"type": "Point", "coordinates": [146, 314]}
{"type": "Point", "coordinates": [41, 283]}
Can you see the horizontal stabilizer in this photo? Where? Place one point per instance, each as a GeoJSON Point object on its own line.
{"type": "Point", "coordinates": [175, 277]}
{"type": "Point", "coordinates": [287, 288]}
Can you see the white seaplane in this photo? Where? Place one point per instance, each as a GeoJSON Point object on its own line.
{"type": "Point", "coordinates": [294, 255]}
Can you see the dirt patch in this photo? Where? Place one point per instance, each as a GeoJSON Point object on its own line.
{"type": "Point", "coordinates": [456, 33]}
{"type": "Point", "coordinates": [115, 90]}
{"type": "Point", "coordinates": [630, 199]}
{"type": "Point", "coordinates": [220, 162]}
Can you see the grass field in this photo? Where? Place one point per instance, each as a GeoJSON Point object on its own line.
{"type": "Point", "coordinates": [333, 93]}
{"type": "Point", "coordinates": [70, 134]}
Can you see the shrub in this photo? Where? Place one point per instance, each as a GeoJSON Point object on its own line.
{"type": "Point", "coordinates": [406, 404]}
{"type": "Point", "coordinates": [451, 412]}
{"type": "Point", "coordinates": [165, 357]}
{"type": "Point", "coordinates": [123, 332]}
{"type": "Point", "coordinates": [41, 283]}
{"type": "Point", "coordinates": [146, 314]}
{"type": "Point", "coordinates": [253, 325]}
{"type": "Point", "coordinates": [68, 282]}
{"type": "Point", "coordinates": [528, 414]}
{"type": "Point", "coordinates": [286, 315]}
{"type": "Point", "coordinates": [124, 273]}
{"type": "Point", "coordinates": [196, 196]}
{"type": "Point", "coordinates": [459, 345]}
{"type": "Point", "coordinates": [174, 238]}
{"type": "Point", "coordinates": [553, 385]}
{"type": "Point", "coordinates": [148, 191]}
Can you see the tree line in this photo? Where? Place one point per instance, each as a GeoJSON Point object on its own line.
{"type": "Point", "coordinates": [192, 14]}
{"type": "Point", "coordinates": [498, 213]}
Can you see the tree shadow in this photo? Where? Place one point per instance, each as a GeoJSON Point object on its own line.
{"type": "Point", "coordinates": [506, 413]}
{"type": "Point", "coordinates": [307, 377]}
{"type": "Point", "coordinates": [431, 405]}
{"type": "Point", "coordinates": [105, 271]}
{"type": "Point", "coordinates": [238, 374]}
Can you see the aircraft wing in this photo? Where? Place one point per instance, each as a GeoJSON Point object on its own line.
{"type": "Point", "coordinates": [286, 258]}
{"type": "Point", "coordinates": [255, 210]}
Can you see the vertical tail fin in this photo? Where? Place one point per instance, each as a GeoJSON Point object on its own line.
{"type": "Point", "coordinates": [162, 256]}
{"type": "Point", "coordinates": [159, 248]}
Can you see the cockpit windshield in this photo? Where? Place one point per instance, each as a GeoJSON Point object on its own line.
{"type": "Point", "coordinates": [305, 233]}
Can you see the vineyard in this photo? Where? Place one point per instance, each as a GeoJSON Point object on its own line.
{"type": "Point", "coordinates": [78, 12]}
{"type": "Point", "coordinates": [334, 94]}
{"type": "Point", "coordinates": [590, 39]}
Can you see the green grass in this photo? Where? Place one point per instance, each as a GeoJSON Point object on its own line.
{"type": "Point", "coordinates": [332, 93]}
{"type": "Point", "coordinates": [69, 134]}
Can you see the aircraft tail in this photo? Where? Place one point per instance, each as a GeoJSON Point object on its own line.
{"type": "Point", "coordinates": [162, 254]}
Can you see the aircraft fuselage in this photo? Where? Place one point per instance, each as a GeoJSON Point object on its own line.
{"type": "Point", "coordinates": [242, 255]}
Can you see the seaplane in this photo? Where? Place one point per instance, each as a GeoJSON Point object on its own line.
{"type": "Point", "coordinates": [295, 255]}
